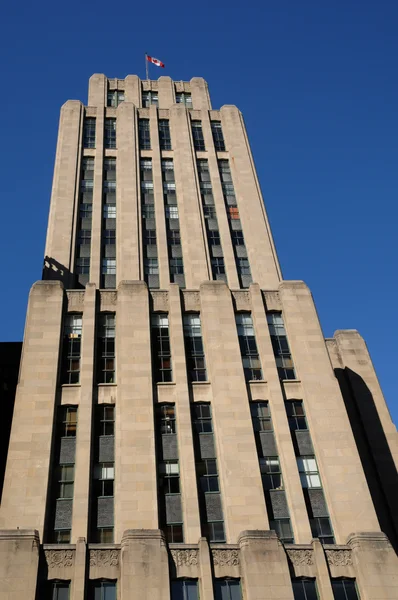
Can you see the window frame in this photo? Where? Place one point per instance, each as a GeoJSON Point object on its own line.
{"type": "Point", "coordinates": [218, 136]}
{"type": "Point", "coordinates": [110, 133]}
{"type": "Point", "coordinates": [194, 349]}
{"type": "Point", "coordinates": [161, 347]}
{"type": "Point", "coordinates": [197, 136]}
{"type": "Point", "coordinates": [144, 134]}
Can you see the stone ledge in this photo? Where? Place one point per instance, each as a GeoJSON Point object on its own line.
{"type": "Point", "coordinates": [19, 534]}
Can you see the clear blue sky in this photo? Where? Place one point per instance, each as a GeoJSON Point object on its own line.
{"type": "Point", "coordinates": [317, 84]}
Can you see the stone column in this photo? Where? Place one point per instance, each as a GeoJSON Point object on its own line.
{"type": "Point", "coordinates": [166, 92]}
{"type": "Point", "coordinates": [19, 561]}
{"type": "Point", "coordinates": [200, 94]}
{"type": "Point", "coordinates": [144, 565]}
{"type": "Point", "coordinates": [206, 576]}
{"type": "Point", "coordinates": [78, 585]}
{"type": "Point", "coordinates": [264, 568]}
{"type": "Point", "coordinates": [133, 89]}
{"type": "Point", "coordinates": [322, 572]}
{"type": "Point", "coordinates": [97, 90]}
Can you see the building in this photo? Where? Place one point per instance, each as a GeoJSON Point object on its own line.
{"type": "Point", "coordinates": [182, 428]}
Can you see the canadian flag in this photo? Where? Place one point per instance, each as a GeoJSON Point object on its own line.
{"type": "Point", "coordinates": [155, 61]}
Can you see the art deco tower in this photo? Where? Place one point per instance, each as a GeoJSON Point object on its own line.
{"type": "Point", "coordinates": [182, 429]}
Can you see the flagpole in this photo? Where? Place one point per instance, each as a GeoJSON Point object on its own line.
{"type": "Point", "coordinates": [146, 66]}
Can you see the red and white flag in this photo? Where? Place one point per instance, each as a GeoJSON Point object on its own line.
{"type": "Point", "coordinates": [155, 61]}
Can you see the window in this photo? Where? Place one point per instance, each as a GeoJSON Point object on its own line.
{"type": "Point", "coordinates": [248, 347]}
{"type": "Point", "coordinates": [218, 137]}
{"type": "Point", "coordinates": [169, 472]}
{"type": "Point", "coordinates": [229, 192]}
{"type": "Point", "coordinates": [280, 346]}
{"type": "Point", "coordinates": [109, 187]}
{"type": "Point", "coordinates": [194, 348]}
{"type": "Point", "coordinates": [110, 133]}
{"type": "Point", "coordinates": [149, 98]}
{"type": "Point", "coordinates": [176, 266]}
{"type": "Point", "coordinates": [148, 211]}
{"type": "Point", "coordinates": [243, 266]}
{"type": "Point", "coordinates": [104, 474]}
{"type": "Point", "coordinates": [237, 238]}
{"type": "Point", "coordinates": [103, 590]}
{"type": "Point", "coordinates": [106, 349]}
{"type": "Point", "coordinates": [169, 187]}
{"type": "Point", "coordinates": [344, 589]}
{"type": "Point", "coordinates": [214, 238]}
{"type": "Point", "coordinates": [261, 416]}
{"type": "Point", "coordinates": [225, 171]}
{"type": "Point", "coordinates": [208, 475]}
{"type": "Point", "coordinates": [109, 211]}
{"type": "Point", "coordinates": [114, 98]}
{"type": "Point", "coordinates": [109, 237]}
{"type": "Point", "coordinates": [271, 474]}
{"type": "Point", "coordinates": [197, 134]}
{"type": "Point", "coordinates": [309, 474]}
{"type": "Point", "coordinates": [108, 266]}
{"type": "Point", "coordinates": [150, 237]}
{"type": "Point", "coordinates": [174, 237]}
{"type": "Point", "coordinates": [296, 415]}
{"type": "Point", "coordinates": [161, 353]}
{"type": "Point", "coordinates": [209, 212]}
{"type": "Point", "coordinates": [109, 164]}
{"type": "Point", "coordinates": [72, 348]}
{"type": "Point", "coordinates": [88, 165]}
{"type": "Point", "coordinates": [66, 476]}
{"type": "Point", "coordinates": [83, 266]}
{"type": "Point", "coordinates": [86, 211]}
{"type": "Point", "coordinates": [86, 186]}
{"type": "Point", "coordinates": [58, 590]}
{"type": "Point", "coordinates": [304, 589]}
{"type": "Point", "coordinates": [321, 528]}
{"type": "Point", "coordinates": [89, 133]}
{"type": "Point", "coordinates": [167, 419]}
{"type": "Point", "coordinates": [164, 134]}
{"type": "Point", "coordinates": [144, 134]}
{"type": "Point", "coordinates": [146, 165]}
{"type": "Point", "coordinates": [151, 266]}
{"type": "Point", "coordinates": [233, 213]}
{"type": "Point", "coordinates": [68, 421]}
{"type": "Point", "coordinates": [147, 186]}
{"type": "Point", "coordinates": [217, 266]}
{"type": "Point", "coordinates": [171, 212]}
{"type": "Point", "coordinates": [227, 589]}
{"type": "Point", "coordinates": [167, 164]}
{"type": "Point", "coordinates": [106, 419]}
{"type": "Point", "coordinates": [184, 589]}
{"type": "Point", "coordinates": [202, 418]}
{"type": "Point", "coordinates": [184, 98]}
{"type": "Point", "coordinates": [283, 529]}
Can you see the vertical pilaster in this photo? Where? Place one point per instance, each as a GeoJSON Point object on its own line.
{"type": "Point", "coordinates": [79, 570]}
{"type": "Point", "coordinates": [133, 90]}
{"type": "Point", "coordinates": [19, 561]}
{"type": "Point", "coordinates": [97, 90]}
{"type": "Point", "coordinates": [200, 94]}
{"type": "Point", "coordinates": [322, 572]}
{"type": "Point", "coordinates": [80, 516]}
{"type": "Point", "coordinates": [206, 574]}
{"type": "Point", "coordinates": [241, 486]}
{"type": "Point", "coordinates": [166, 92]}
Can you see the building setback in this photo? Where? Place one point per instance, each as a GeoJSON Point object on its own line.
{"type": "Point", "coordinates": [182, 429]}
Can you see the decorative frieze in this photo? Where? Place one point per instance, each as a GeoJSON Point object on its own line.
{"type": "Point", "coordinates": [242, 300]}
{"type": "Point", "coordinates": [59, 558]}
{"type": "Point", "coordinates": [185, 558]}
{"type": "Point", "coordinates": [225, 558]}
{"type": "Point", "coordinates": [339, 558]}
{"type": "Point", "coordinates": [191, 301]}
{"type": "Point", "coordinates": [104, 558]}
{"type": "Point", "coordinates": [75, 300]}
{"type": "Point", "coordinates": [300, 557]}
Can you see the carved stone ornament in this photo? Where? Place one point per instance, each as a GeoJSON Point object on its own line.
{"type": "Point", "coordinates": [226, 558]}
{"type": "Point", "coordinates": [104, 558]}
{"type": "Point", "coordinates": [59, 558]}
{"type": "Point", "coordinates": [300, 557]}
{"type": "Point", "coordinates": [185, 558]}
{"type": "Point", "coordinates": [339, 558]}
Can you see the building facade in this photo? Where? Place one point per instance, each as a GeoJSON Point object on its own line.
{"type": "Point", "coordinates": [182, 429]}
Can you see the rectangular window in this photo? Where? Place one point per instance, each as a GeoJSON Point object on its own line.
{"type": "Point", "coordinates": [233, 213]}
{"type": "Point", "coordinates": [217, 267]}
{"type": "Point", "coordinates": [109, 187]}
{"type": "Point", "coordinates": [237, 238]}
{"type": "Point", "coordinates": [218, 137]}
{"type": "Point", "coordinates": [261, 416]}
{"type": "Point", "coordinates": [176, 266]}
{"type": "Point", "coordinates": [248, 347]}
{"type": "Point", "coordinates": [103, 475]}
{"type": "Point", "coordinates": [271, 473]}
{"type": "Point", "coordinates": [109, 164]}
{"type": "Point", "coordinates": [68, 421]}
{"type": "Point", "coordinates": [106, 419]}
{"type": "Point", "coordinates": [227, 589]}
{"type": "Point", "coordinates": [86, 211]}
{"type": "Point", "coordinates": [102, 590]}
{"type": "Point", "coordinates": [83, 266]}
{"type": "Point", "coordinates": [150, 237]}
{"type": "Point", "coordinates": [170, 477]}
{"type": "Point", "coordinates": [167, 419]}
{"type": "Point", "coordinates": [184, 98]}
{"type": "Point", "coordinates": [71, 352]}
{"type": "Point", "coordinates": [109, 237]}
{"type": "Point", "coordinates": [321, 528]}
{"type": "Point", "coordinates": [171, 212]}
{"type": "Point", "coordinates": [84, 237]}
{"type": "Point", "coordinates": [280, 346]}
{"type": "Point", "coordinates": [161, 353]}
{"type": "Point", "coordinates": [86, 186]}
{"type": "Point", "coordinates": [202, 422]}
{"type": "Point", "coordinates": [164, 134]}
{"type": "Point", "coordinates": [344, 589]}
{"type": "Point", "coordinates": [304, 589]}
{"type": "Point", "coordinates": [108, 266]}
{"type": "Point", "coordinates": [110, 133]}
{"type": "Point", "coordinates": [89, 133]}
{"type": "Point", "coordinates": [309, 474]}
{"type": "Point", "coordinates": [213, 237]}
{"type": "Point", "coordinates": [151, 266]}
{"type": "Point", "coordinates": [210, 212]}
{"type": "Point", "coordinates": [208, 475]}
{"type": "Point", "coordinates": [109, 211]}
{"type": "Point", "coordinates": [184, 589]}
{"type": "Point", "coordinates": [296, 415]}
{"type": "Point", "coordinates": [88, 165]}
{"type": "Point", "coordinates": [106, 349]}
{"type": "Point", "coordinates": [150, 98]}
{"type": "Point", "coordinates": [66, 476]}
{"type": "Point", "coordinates": [283, 529]}
{"type": "Point", "coordinates": [243, 266]}
{"type": "Point", "coordinates": [148, 211]}
{"type": "Point", "coordinates": [174, 237]}
{"type": "Point", "coordinates": [197, 134]}
{"type": "Point", "coordinates": [57, 590]}
{"type": "Point", "coordinates": [144, 134]}
{"type": "Point", "coordinates": [195, 357]}
{"type": "Point", "coordinates": [114, 98]}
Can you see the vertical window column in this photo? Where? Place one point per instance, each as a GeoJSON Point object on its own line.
{"type": "Point", "coordinates": [212, 231]}
{"type": "Point", "coordinates": [109, 225]}
{"type": "Point", "coordinates": [161, 353]}
{"type": "Point", "coordinates": [151, 267]}
{"type": "Point", "coordinates": [235, 226]}
{"type": "Point", "coordinates": [110, 134]}
{"type": "Point", "coordinates": [218, 137]}
{"type": "Point", "coordinates": [144, 134]}
{"type": "Point", "coordinates": [71, 348]}
{"type": "Point", "coordinates": [197, 135]}
{"type": "Point", "coordinates": [106, 348]}
{"type": "Point", "coordinates": [83, 248]}
{"type": "Point", "coordinates": [194, 352]}
{"type": "Point", "coordinates": [170, 508]}
{"type": "Point", "coordinates": [315, 501]}
{"type": "Point", "coordinates": [102, 518]}
{"type": "Point", "coordinates": [64, 474]}
{"type": "Point", "coordinates": [280, 345]}
{"type": "Point", "coordinates": [212, 519]}
{"type": "Point", "coordinates": [248, 347]}
{"type": "Point", "coordinates": [271, 474]}
{"type": "Point", "coordinates": [176, 264]}
{"type": "Point", "coordinates": [89, 132]}
{"type": "Point", "coordinates": [164, 134]}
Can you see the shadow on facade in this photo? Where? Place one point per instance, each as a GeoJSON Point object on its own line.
{"type": "Point", "coordinates": [55, 271]}
{"type": "Point", "coordinates": [374, 451]}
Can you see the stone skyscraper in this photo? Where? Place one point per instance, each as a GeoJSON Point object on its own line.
{"type": "Point", "coordinates": [182, 429]}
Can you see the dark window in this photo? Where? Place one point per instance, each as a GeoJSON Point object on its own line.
{"type": "Point", "coordinates": [227, 589]}
{"type": "Point", "coordinates": [248, 347]}
{"type": "Point", "coordinates": [110, 133]}
{"type": "Point", "coordinates": [261, 416]}
{"type": "Point", "coordinates": [164, 134]}
{"type": "Point", "coordinates": [243, 266]}
{"type": "Point", "coordinates": [184, 589]}
{"type": "Point", "coordinates": [68, 421]}
{"type": "Point", "coordinates": [109, 164]}
{"type": "Point", "coordinates": [237, 238]}
{"type": "Point", "coordinates": [169, 473]}
{"type": "Point", "coordinates": [85, 237]}
{"type": "Point", "coordinates": [61, 536]}
{"type": "Point", "coordinates": [304, 589]}
{"type": "Point", "coordinates": [148, 211]}
{"type": "Point", "coordinates": [89, 133]}
{"type": "Point", "coordinates": [150, 237]}
{"type": "Point", "coordinates": [197, 134]}
{"type": "Point", "coordinates": [217, 266]}
{"type": "Point", "coordinates": [102, 590]}
{"type": "Point", "coordinates": [71, 351]}
{"type": "Point", "coordinates": [208, 475]}
{"type": "Point", "coordinates": [151, 266]}
{"type": "Point", "coordinates": [174, 533]}
{"type": "Point", "coordinates": [296, 415]}
{"type": "Point", "coordinates": [109, 211]}
{"type": "Point", "coordinates": [114, 98]}
{"type": "Point", "coordinates": [195, 357]}
{"type": "Point", "coordinates": [88, 165]}
{"type": "Point", "coordinates": [83, 266]}
{"type": "Point", "coordinates": [104, 535]}
{"type": "Point", "coordinates": [58, 590]}
{"type": "Point", "coordinates": [109, 187]}
{"type": "Point", "coordinates": [144, 134]}
{"type": "Point", "coordinates": [171, 212]}
{"type": "Point", "coordinates": [184, 98]}
{"type": "Point", "coordinates": [271, 473]}
{"type": "Point", "coordinates": [283, 529]}
{"type": "Point", "coordinates": [106, 419]}
{"type": "Point", "coordinates": [149, 98]}
{"type": "Point", "coordinates": [65, 481]}
{"type": "Point", "coordinates": [86, 211]}
{"type": "Point", "coordinates": [176, 266]}
{"type": "Point", "coordinates": [174, 237]}
{"type": "Point", "coordinates": [202, 418]}
{"type": "Point", "coordinates": [321, 528]}
{"type": "Point", "coordinates": [106, 349]}
{"type": "Point", "coordinates": [209, 212]}
{"type": "Point", "coordinates": [167, 419]}
{"type": "Point", "coordinates": [280, 346]}
{"type": "Point", "coordinates": [109, 237]}
{"type": "Point", "coordinates": [104, 476]}
{"type": "Point", "coordinates": [344, 589]}
{"type": "Point", "coordinates": [218, 137]}
{"type": "Point", "coordinates": [214, 238]}
{"type": "Point", "coordinates": [161, 347]}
